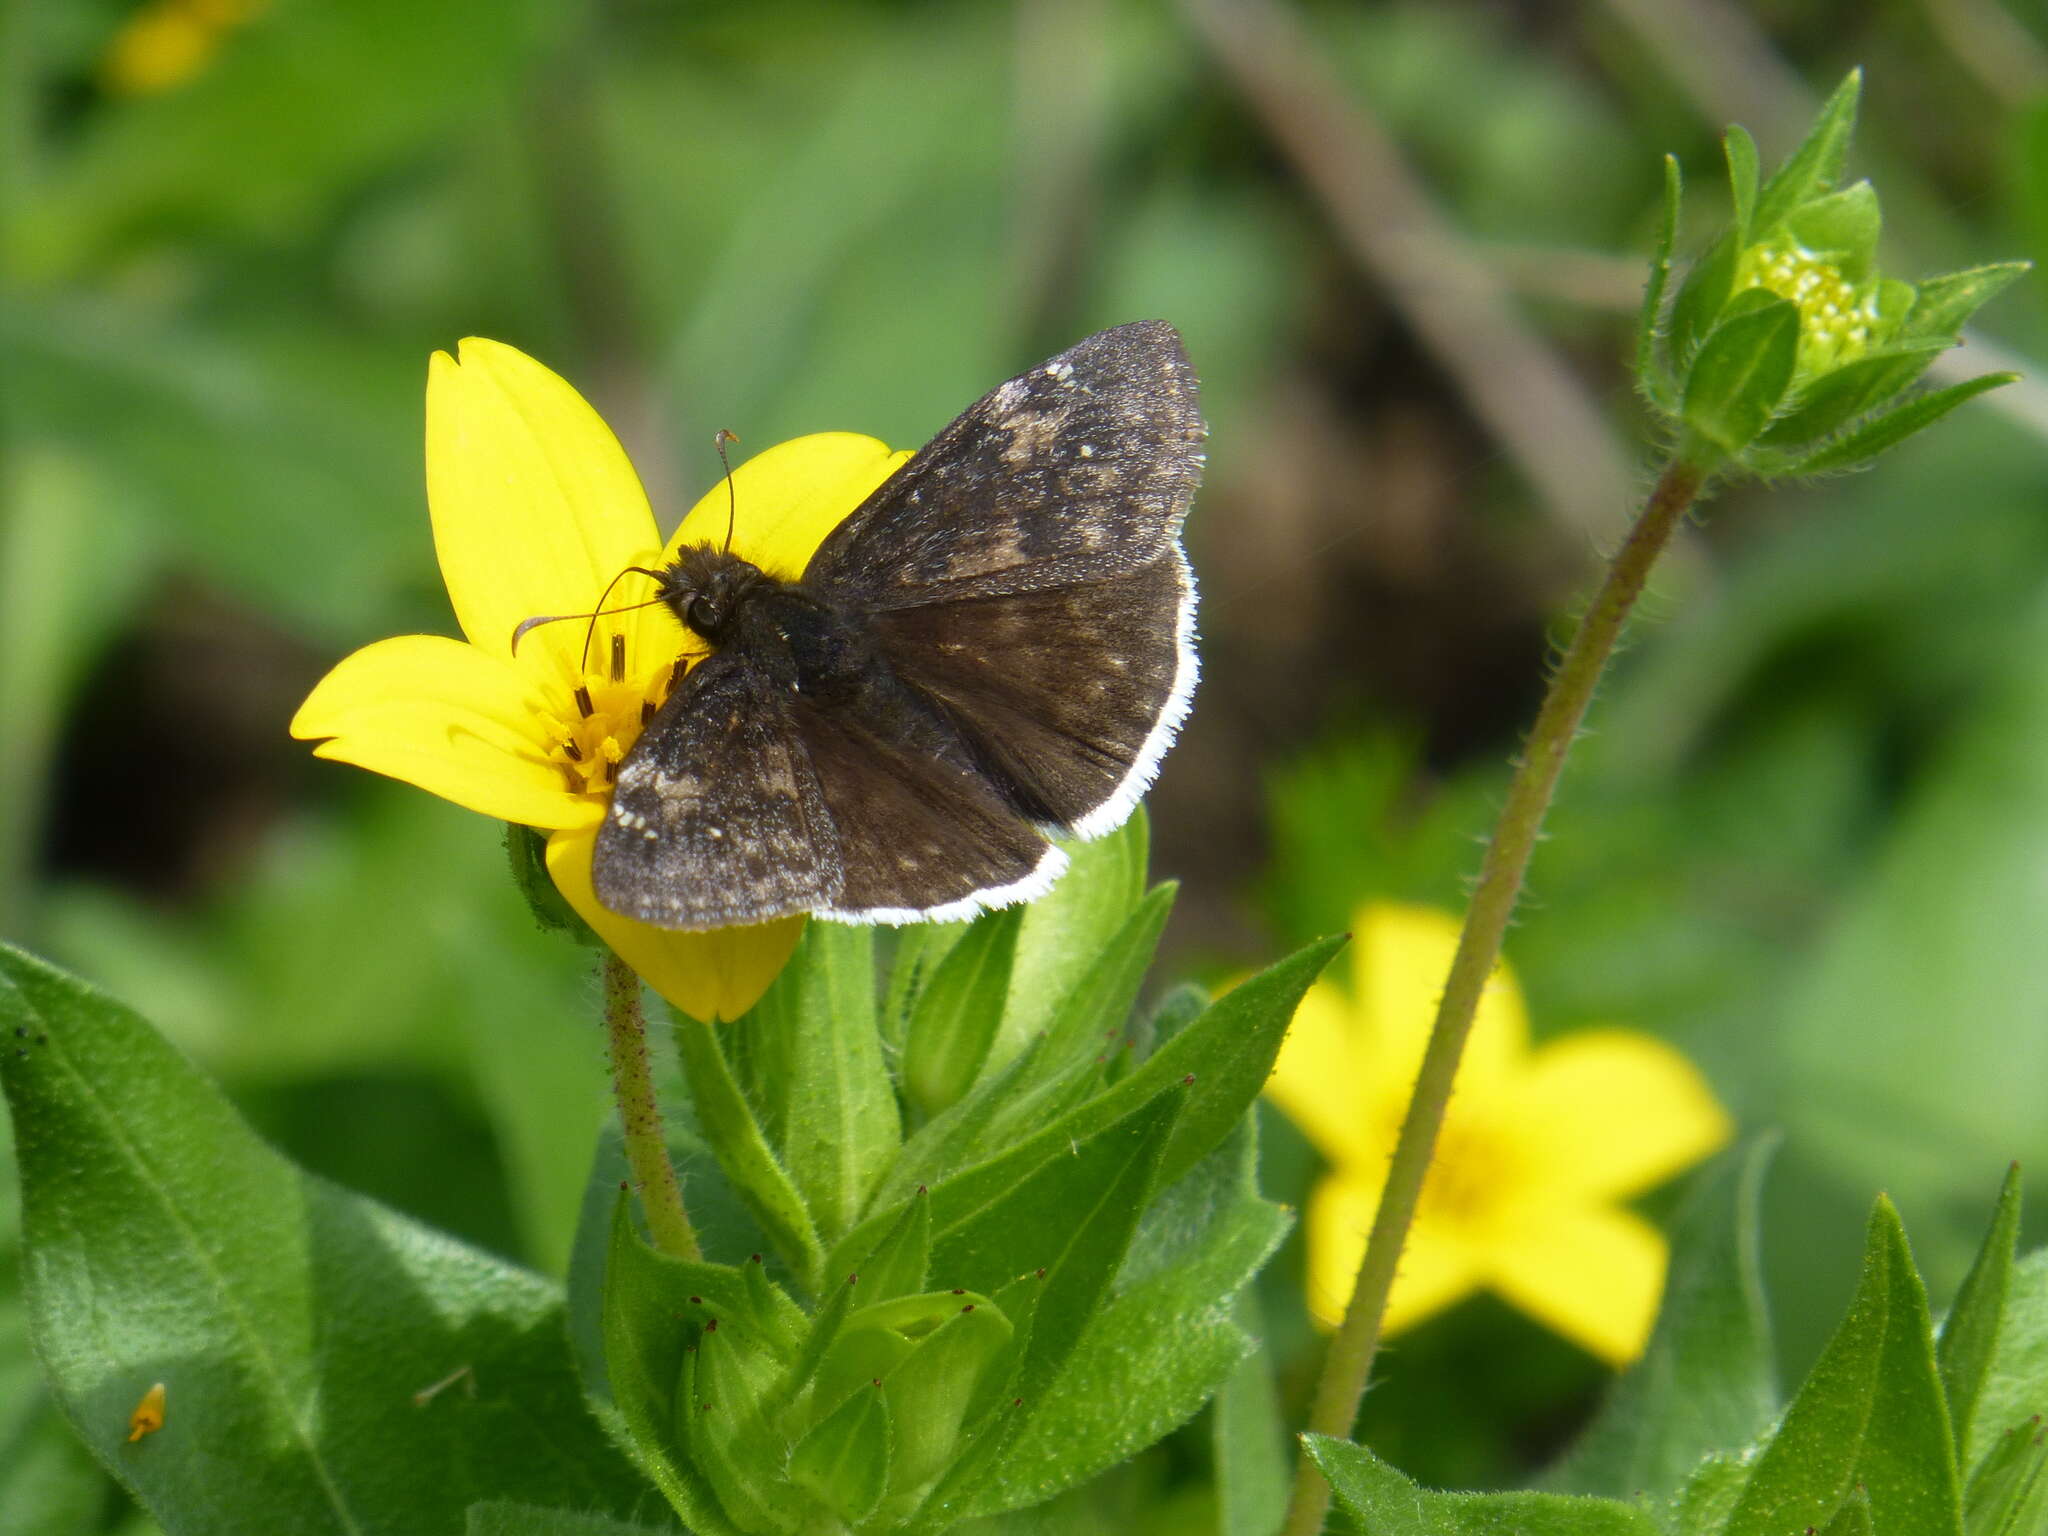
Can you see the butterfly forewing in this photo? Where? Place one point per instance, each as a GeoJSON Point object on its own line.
{"type": "Point", "coordinates": [718, 817]}
{"type": "Point", "coordinates": [1080, 469]}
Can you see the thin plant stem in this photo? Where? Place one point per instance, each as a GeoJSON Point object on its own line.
{"type": "Point", "coordinates": [654, 1176]}
{"type": "Point", "coordinates": [1349, 1363]}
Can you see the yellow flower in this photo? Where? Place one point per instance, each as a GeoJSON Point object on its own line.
{"type": "Point", "coordinates": [166, 42]}
{"type": "Point", "coordinates": [1538, 1149]}
{"type": "Point", "coordinates": [535, 509]}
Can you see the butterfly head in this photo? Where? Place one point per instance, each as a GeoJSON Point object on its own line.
{"type": "Point", "coordinates": [704, 587]}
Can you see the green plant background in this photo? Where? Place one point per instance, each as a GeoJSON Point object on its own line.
{"type": "Point", "coordinates": [1808, 840]}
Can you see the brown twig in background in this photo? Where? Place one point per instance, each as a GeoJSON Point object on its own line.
{"type": "Point", "coordinates": [1994, 47]}
{"type": "Point", "coordinates": [1520, 390]}
{"type": "Point", "coordinates": [1060, 111]}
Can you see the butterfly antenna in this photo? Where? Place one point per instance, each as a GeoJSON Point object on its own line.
{"type": "Point", "coordinates": [519, 633]}
{"type": "Point", "coordinates": [718, 440]}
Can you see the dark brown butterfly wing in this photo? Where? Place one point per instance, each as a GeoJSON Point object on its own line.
{"type": "Point", "coordinates": [1025, 621]}
{"type": "Point", "coordinates": [718, 817]}
{"type": "Point", "coordinates": [1079, 470]}
{"type": "Point", "coordinates": [923, 831]}
{"type": "Point", "coordinates": [1070, 694]}
{"type": "Point", "coordinates": [1024, 570]}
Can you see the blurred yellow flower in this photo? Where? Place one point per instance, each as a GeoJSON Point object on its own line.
{"type": "Point", "coordinates": [1538, 1149]}
{"type": "Point", "coordinates": [164, 43]}
{"type": "Point", "coordinates": [535, 509]}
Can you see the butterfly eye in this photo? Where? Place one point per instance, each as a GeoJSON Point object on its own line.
{"type": "Point", "coordinates": [706, 615]}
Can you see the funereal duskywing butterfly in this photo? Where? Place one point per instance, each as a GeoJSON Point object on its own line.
{"type": "Point", "coordinates": [997, 645]}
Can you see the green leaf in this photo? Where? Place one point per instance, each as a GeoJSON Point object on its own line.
{"type": "Point", "coordinates": [1070, 1225]}
{"type": "Point", "coordinates": [1969, 1334]}
{"type": "Point", "coordinates": [654, 1309]}
{"type": "Point", "coordinates": [844, 1462]}
{"type": "Point", "coordinates": [1064, 929]}
{"type": "Point", "coordinates": [1228, 1053]}
{"type": "Point", "coordinates": [1054, 1071]}
{"type": "Point", "coordinates": [1816, 164]}
{"type": "Point", "coordinates": [954, 1021]}
{"type": "Point", "coordinates": [1843, 226]}
{"type": "Point", "coordinates": [1869, 1416]}
{"type": "Point", "coordinates": [1942, 306]}
{"type": "Point", "coordinates": [1158, 1351]}
{"type": "Point", "coordinates": [901, 1262]}
{"type": "Point", "coordinates": [1838, 397]}
{"type": "Point", "coordinates": [1072, 1217]}
{"type": "Point", "coordinates": [301, 1331]}
{"type": "Point", "coordinates": [1743, 171]}
{"type": "Point", "coordinates": [1651, 376]}
{"type": "Point", "coordinates": [816, 1080]}
{"type": "Point", "coordinates": [1740, 374]}
{"type": "Point", "coordinates": [1703, 1506]}
{"type": "Point", "coordinates": [919, 949]}
{"type": "Point", "coordinates": [1384, 1503]}
{"type": "Point", "coordinates": [1248, 1439]}
{"type": "Point", "coordinates": [502, 1519]}
{"type": "Point", "coordinates": [1853, 1518]}
{"type": "Point", "coordinates": [2015, 1388]}
{"type": "Point", "coordinates": [1705, 1381]}
{"type": "Point", "coordinates": [1099, 1004]}
{"type": "Point", "coordinates": [2008, 1491]}
{"type": "Point", "coordinates": [1701, 298]}
{"type": "Point", "coordinates": [735, 1137]}
{"type": "Point", "coordinates": [1894, 427]}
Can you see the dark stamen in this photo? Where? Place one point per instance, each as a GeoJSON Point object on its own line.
{"type": "Point", "coordinates": [618, 658]}
{"type": "Point", "coordinates": [583, 701]}
{"type": "Point", "coordinates": [646, 711]}
{"type": "Point", "coordinates": [575, 752]}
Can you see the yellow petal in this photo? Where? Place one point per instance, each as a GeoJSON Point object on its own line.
{"type": "Point", "coordinates": [535, 506]}
{"type": "Point", "coordinates": [1612, 1112]}
{"type": "Point", "coordinates": [1437, 1269]}
{"type": "Point", "coordinates": [446, 717]}
{"type": "Point", "coordinates": [1593, 1275]}
{"type": "Point", "coordinates": [1400, 957]}
{"type": "Point", "coordinates": [1319, 1083]}
{"type": "Point", "coordinates": [714, 975]}
{"type": "Point", "coordinates": [785, 499]}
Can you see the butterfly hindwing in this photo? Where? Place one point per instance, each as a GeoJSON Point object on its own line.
{"type": "Point", "coordinates": [923, 831]}
{"type": "Point", "coordinates": [1080, 469]}
{"type": "Point", "coordinates": [1070, 694]}
{"type": "Point", "coordinates": [718, 816]}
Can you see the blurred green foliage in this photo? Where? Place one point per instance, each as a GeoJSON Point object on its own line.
{"type": "Point", "coordinates": [1808, 840]}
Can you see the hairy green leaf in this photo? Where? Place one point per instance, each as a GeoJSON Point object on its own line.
{"type": "Point", "coordinates": [1384, 1503]}
{"type": "Point", "coordinates": [1817, 163]}
{"type": "Point", "coordinates": [1895, 426]}
{"type": "Point", "coordinates": [1869, 1419]}
{"type": "Point", "coordinates": [954, 1021]}
{"type": "Point", "coordinates": [328, 1365]}
{"type": "Point", "coordinates": [1705, 1381]}
{"type": "Point", "coordinates": [1969, 1334]}
{"type": "Point", "coordinates": [815, 1075]}
{"type": "Point", "coordinates": [1741, 373]}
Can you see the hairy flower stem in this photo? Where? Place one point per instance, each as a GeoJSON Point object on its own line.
{"type": "Point", "coordinates": [1348, 1365]}
{"type": "Point", "coordinates": [654, 1176]}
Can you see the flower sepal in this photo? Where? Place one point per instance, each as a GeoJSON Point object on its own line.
{"type": "Point", "coordinates": [527, 852]}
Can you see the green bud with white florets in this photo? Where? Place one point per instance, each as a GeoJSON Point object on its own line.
{"type": "Point", "coordinates": [1786, 350]}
